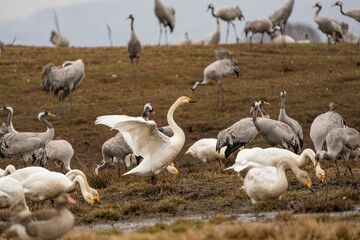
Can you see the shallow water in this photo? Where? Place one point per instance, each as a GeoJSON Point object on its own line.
{"type": "Point", "coordinates": [129, 226]}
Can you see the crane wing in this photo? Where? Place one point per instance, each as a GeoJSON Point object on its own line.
{"type": "Point", "coordinates": [142, 136]}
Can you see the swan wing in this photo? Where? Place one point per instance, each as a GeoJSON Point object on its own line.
{"type": "Point", "coordinates": [142, 136]}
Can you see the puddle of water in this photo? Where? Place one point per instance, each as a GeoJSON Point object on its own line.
{"type": "Point", "coordinates": [129, 226]}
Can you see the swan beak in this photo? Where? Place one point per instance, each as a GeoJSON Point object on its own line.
{"type": "Point", "coordinates": [70, 200]}
{"type": "Point", "coordinates": [191, 101]}
{"type": "Point", "coordinates": [176, 172]}
{"type": "Point", "coordinates": [309, 185]}
{"type": "Point", "coordinates": [92, 202]}
{"type": "Point", "coordinates": [322, 178]}
{"type": "Point", "coordinates": [98, 199]}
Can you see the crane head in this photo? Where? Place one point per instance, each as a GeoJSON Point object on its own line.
{"type": "Point", "coordinates": [318, 5]}
{"type": "Point", "coordinates": [338, 3]}
{"type": "Point", "coordinates": [211, 6]}
{"type": "Point", "coordinates": [282, 93]}
{"type": "Point", "coordinates": [130, 17]}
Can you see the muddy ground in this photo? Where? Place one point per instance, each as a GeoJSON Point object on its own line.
{"type": "Point", "coordinates": [312, 77]}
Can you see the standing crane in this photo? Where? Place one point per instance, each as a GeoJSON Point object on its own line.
{"type": "Point", "coordinates": [166, 17]}
{"type": "Point", "coordinates": [327, 25]}
{"type": "Point", "coordinates": [227, 14]}
{"type": "Point", "coordinates": [353, 13]}
{"type": "Point", "coordinates": [223, 67]}
{"type": "Point", "coordinates": [133, 45]}
{"type": "Point", "coordinates": [281, 15]}
{"type": "Point", "coordinates": [67, 77]}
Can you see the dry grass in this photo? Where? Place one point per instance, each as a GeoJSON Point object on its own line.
{"type": "Point", "coordinates": [311, 75]}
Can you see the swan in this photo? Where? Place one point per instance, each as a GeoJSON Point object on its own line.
{"type": "Point", "coordinates": [8, 170]}
{"type": "Point", "coordinates": [41, 185]}
{"type": "Point", "coordinates": [269, 183]}
{"type": "Point", "coordinates": [75, 172]}
{"type": "Point", "coordinates": [11, 193]}
{"type": "Point", "coordinates": [46, 223]}
{"type": "Point", "coordinates": [258, 157]}
{"type": "Point", "coordinates": [157, 149]}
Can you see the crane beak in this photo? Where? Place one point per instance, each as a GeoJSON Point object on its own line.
{"type": "Point", "coordinates": [266, 103]}
{"type": "Point", "coordinates": [237, 72]}
{"type": "Point", "coordinates": [50, 114]}
{"type": "Point", "coordinates": [251, 109]}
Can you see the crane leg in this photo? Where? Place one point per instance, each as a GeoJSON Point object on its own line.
{"type": "Point", "coordinates": [227, 33]}
{"type": "Point", "coordinates": [262, 38]}
{"type": "Point", "coordinates": [328, 42]}
{"type": "Point", "coordinates": [283, 35]}
{"type": "Point", "coordinates": [334, 36]}
{"type": "Point", "coordinates": [237, 38]}
{"type": "Point", "coordinates": [166, 36]}
{"type": "Point", "coordinates": [71, 110]}
{"type": "Point", "coordinates": [251, 39]}
{"type": "Point", "coordinates": [61, 108]}
{"type": "Point", "coordinates": [160, 34]}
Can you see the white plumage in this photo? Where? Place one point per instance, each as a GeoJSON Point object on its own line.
{"type": "Point", "coordinates": [68, 77]}
{"type": "Point", "coordinates": [11, 193]}
{"type": "Point", "coordinates": [7, 171]}
{"type": "Point", "coordinates": [205, 150]}
{"type": "Point", "coordinates": [214, 36]}
{"type": "Point", "coordinates": [145, 140]}
{"type": "Point", "coordinates": [278, 39]}
{"type": "Point", "coordinates": [258, 157]}
{"type": "Point", "coordinates": [269, 183]}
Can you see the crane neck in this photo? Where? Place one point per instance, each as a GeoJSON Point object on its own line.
{"type": "Point", "coordinates": [264, 114]}
{"type": "Point", "coordinates": [46, 122]}
{"type": "Point", "coordinates": [170, 118]}
{"type": "Point", "coordinates": [132, 24]}
{"type": "Point", "coordinates": [254, 114]}
{"type": "Point", "coordinates": [145, 114]}
{"type": "Point", "coordinates": [9, 121]}
{"type": "Point", "coordinates": [213, 12]}
{"type": "Point", "coordinates": [341, 10]}
{"type": "Point", "coordinates": [283, 102]}
{"type": "Point", "coordinates": [316, 17]}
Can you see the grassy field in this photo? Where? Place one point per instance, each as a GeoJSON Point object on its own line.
{"type": "Point", "coordinates": [312, 77]}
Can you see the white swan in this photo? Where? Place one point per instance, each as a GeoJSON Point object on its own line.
{"type": "Point", "coordinates": [145, 140]}
{"type": "Point", "coordinates": [258, 157]}
{"type": "Point", "coordinates": [269, 183]}
{"type": "Point", "coordinates": [8, 170]}
{"type": "Point", "coordinates": [41, 184]}
{"type": "Point", "coordinates": [75, 172]}
{"type": "Point", "coordinates": [11, 193]}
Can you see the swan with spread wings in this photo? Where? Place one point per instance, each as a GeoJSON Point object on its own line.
{"type": "Point", "coordinates": [146, 140]}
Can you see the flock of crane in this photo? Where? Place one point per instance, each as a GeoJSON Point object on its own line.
{"type": "Point", "coordinates": [155, 149]}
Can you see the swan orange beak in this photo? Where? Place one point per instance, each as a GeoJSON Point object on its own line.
{"type": "Point", "coordinates": [322, 178]}
{"type": "Point", "coordinates": [92, 202]}
{"type": "Point", "coordinates": [191, 101]}
{"type": "Point", "coordinates": [176, 172]}
{"type": "Point", "coordinates": [309, 185]}
{"type": "Point", "coordinates": [98, 198]}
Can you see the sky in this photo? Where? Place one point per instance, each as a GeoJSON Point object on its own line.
{"type": "Point", "coordinates": [83, 22]}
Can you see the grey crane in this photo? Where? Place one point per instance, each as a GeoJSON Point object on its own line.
{"type": "Point", "coordinates": [117, 146]}
{"type": "Point", "coordinates": [68, 77]}
{"type": "Point", "coordinates": [353, 13]}
{"type": "Point", "coordinates": [214, 36]}
{"type": "Point", "coordinates": [10, 112]}
{"type": "Point", "coordinates": [59, 40]}
{"type": "Point", "coordinates": [295, 125]}
{"type": "Point", "coordinates": [349, 37]}
{"type": "Point", "coordinates": [166, 17]}
{"type": "Point", "coordinates": [329, 26]}
{"type": "Point", "coordinates": [276, 133]}
{"type": "Point", "coordinates": [281, 15]}
{"type": "Point", "coordinates": [227, 14]}
{"type": "Point", "coordinates": [25, 143]}
{"type": "Point", "coordinates": [2, 46]}
{"type": "Point", "coordinates": [133, 45]}
{"type": "Point", "coordinates": [323, 124]}
{"type": "Point", "coordinates": [240, 133]}
{"type": "Point", "coordinates": [340, 142]}
{"type": "Point", "coordinates": [260, 25]}
{"type": "Point", "coordinates": [58, 151]}
{"type": "Point", "coordinates": [3, 130]}
{"type": "Point", "coordinates": [223, 67]}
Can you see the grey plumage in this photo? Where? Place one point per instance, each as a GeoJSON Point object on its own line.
{"type": "Point", "coordinates": [2, 46]}
{"type": "Point", "coordinates": [166, 130]}
{"type": "Point", "coordinates": [281, 15]}
{"type": "Point", "coordinates": [227, 14]}
{"type": "Point", "coordinates": [295, 125]}
{"type": "Point", "coordinates": [323, 124]}
{"type": "Point", "coordinates": [10, 111]}
{"type": "Point", "coordinates": [353, 13]}
{"type": "Point", "coordinates": [340, 142]}
{"type": "Point", "coordinates": [214, 36]}
{"type": "Point", "coordinates": [166, 17]}
{"type": "Point", "coordinates": [260, 25]}
{"type": "Point", "coordinates": [25, 143]}
{"type": "Point", "coordinates": [68, 77]}
{"type": "Point", "coordinates": [117, 146]}
{"type": "Point", "coordinates": [276, 133]}
{"type": "Point", "coordinates": [59, 40]}
{"type": "Point", "coordinates": [330, 27]}
{"type": "Point", "coordinates": [3, 130]}
{"type": "Point", "coordinates": [223, 67]}
{"type": "Point", "coordinates": [133, 45]}
{"type": "Point", "coordinates": [58, 151]}
{"type": "Point", "coordinates": [347, 36]}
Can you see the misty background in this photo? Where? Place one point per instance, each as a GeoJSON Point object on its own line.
{"type": "Point", "coordinates": [83, 22]}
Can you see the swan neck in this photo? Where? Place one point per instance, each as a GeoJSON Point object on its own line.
{"type": "Point", "coordinates": [170, 118]}
{"type": "Point", "coordinates": [83, 188]}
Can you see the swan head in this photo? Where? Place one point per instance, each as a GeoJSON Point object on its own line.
{"type": "Point", "coordinates": [95, 194]}
{"type": "Point", "coordinates": [89, 198]}
{"type": "Point", "coordinates": [45, 113]}
{"type": "Point", "coordinates": [305, 179]}
{"type": "Point", "coordinates": [338, 3]}
{"type": "Point", "coordinates": [317, 5]}
{"type": "Point", "coordinates": [283, 93]}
